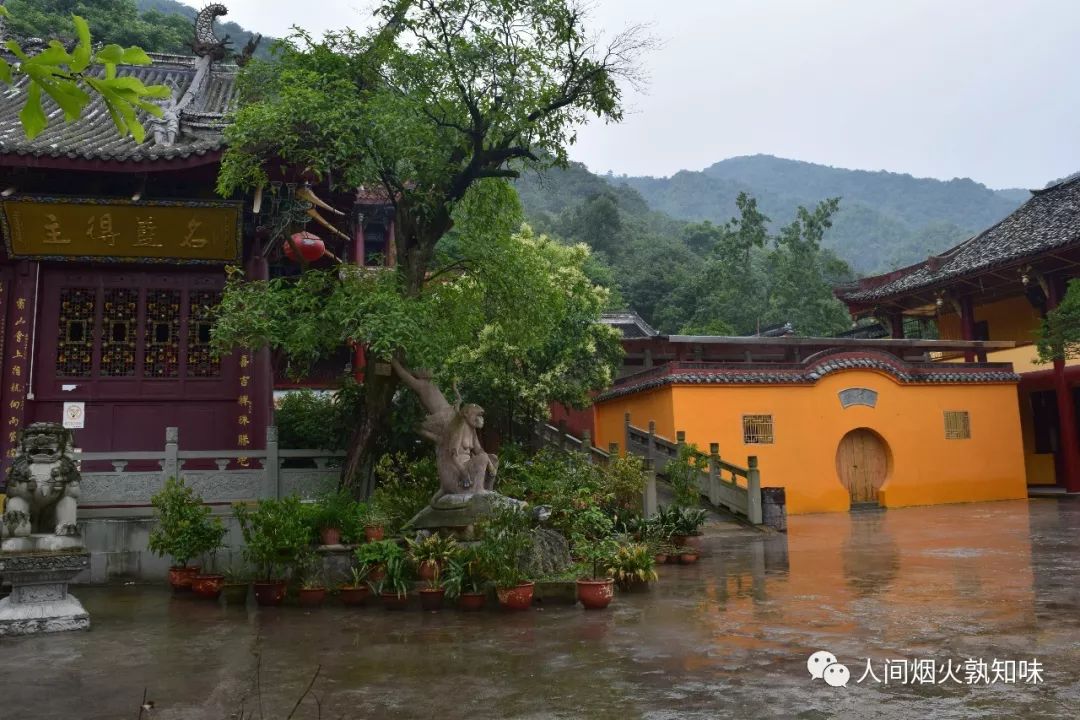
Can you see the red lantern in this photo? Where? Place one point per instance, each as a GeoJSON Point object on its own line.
{"type": "Point", "coordinates": [310, 247]}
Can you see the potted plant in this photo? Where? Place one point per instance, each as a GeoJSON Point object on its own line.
{"type": "Point", "coordinates": [394, 587]}
{"type": "Point", "coordinates": [506, 540]}
{"type": "Point", "coordinates": [376, 555]}
{"type": "Point", "coordinates": [331, 516]}
{"type": "Point", "coordinates": [312, 588]}
{"type": "Point", "coordinates": [431, 554]}
{"type": "Point", "coordinates": [276, 536]}
{"type": "Point", "coordinates": [356, 592]}
{"type": "Point", "coordinates": [686, 526]}
{"type": "Point", "coordinates": [374, 521]}
{"type": "Point", "coordinates": [633, 566]}
{"type": "Point", "coordinates": [464, 580]}
{"type": "Point", "coordinates": [184, 530]}
{"type": "Point", "coordinates": [432, 594]}
{"type": "Point", "coordinates": [687, 555]}
{"type": "Point", "coordinates": [596, 591]}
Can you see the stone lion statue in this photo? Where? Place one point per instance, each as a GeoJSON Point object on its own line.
{"type": "Point", "coordinates": [42, 484]}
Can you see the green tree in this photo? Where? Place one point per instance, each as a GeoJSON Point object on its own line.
{"type": "Point", "coordinates": [439, 98]}
{"type": "Point", "coordinates": [1059, 335]}
{"type": "Point", "coordinates": [111, 21]}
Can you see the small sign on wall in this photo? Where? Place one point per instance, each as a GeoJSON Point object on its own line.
{"type": "Point", "coordinates": [858, 396]}
{"type": "Point", "coordinates": [74, 415]}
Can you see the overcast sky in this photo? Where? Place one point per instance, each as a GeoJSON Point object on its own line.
{"type": "Point", "coordinates": [987, 89]}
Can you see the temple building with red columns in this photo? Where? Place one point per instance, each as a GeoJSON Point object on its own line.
{"type": "Point", "coordinates": [999, 285]}
{"type": "Point", "coordinates": [115, 253]}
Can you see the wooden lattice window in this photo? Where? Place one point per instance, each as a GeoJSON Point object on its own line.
{"type": "Point", "coordinates": [957, 425]}
{"type": "Point", "coordinates": [161, 354]}
{"type": "Point", "coordinates": [75, 334]}
{"type": "Point", "coordinates": [119, 319]}
{"type": "Point", "coordinates": [200, 360]}
{"type": "Point", "coordinates": [757, 429]}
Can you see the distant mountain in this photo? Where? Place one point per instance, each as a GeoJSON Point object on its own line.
{"type": "Point", "coordinates": [885, 220]}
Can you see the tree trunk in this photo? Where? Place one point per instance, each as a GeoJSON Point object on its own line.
{"type": "Point", "coordinates": [378, 402]}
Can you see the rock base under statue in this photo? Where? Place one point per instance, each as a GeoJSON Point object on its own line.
{"type": "Point", "coordinates": [39, 600]}
{"type": "Point", "coordinates": [459, 512]}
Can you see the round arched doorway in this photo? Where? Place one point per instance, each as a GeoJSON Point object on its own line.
{"type": "Point", "coordinates": [862, 462]}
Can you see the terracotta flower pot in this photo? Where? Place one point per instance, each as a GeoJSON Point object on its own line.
{"type": "Point", "coordinates": [472, 601]}
{"type": "Point", "coordinates": [270, 594]}
{"type": "Point", "coordinates": [393, 601]}
{"type": "Point", "coordinates": [355, 595]}
{"type": "Point", "coordinates": [427, 570]}
{"type": "Point", "coordinates": [181, 577]}
{"type": "Point", "coordinates": [330, 536]}
{"type": "Point", "coordinates": [235, 593]}
{"type": "Point", "coordinates": [679, 540]}
{"type": "Point", "coordinates": [693, 541]}
{"type": "Point", "coordinates": [207, 586]}
{"type": "Point", "coordinates": [372, 533]}
{"type": "Point", "coordinates": [660, 558]}
{"type": "Point", "coordinates": [312, 597]}
{"type": "Point", "coordinates": [688, 558]}
{"type": "Point", "coordinates": [596, 594]}
{"type": "Point", "coordinates": [516, 598]}
{"type": "Point", "coordinates": [431, 599]}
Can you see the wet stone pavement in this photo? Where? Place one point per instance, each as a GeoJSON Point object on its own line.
{"type": "Point", "coordinates": [726, 638]}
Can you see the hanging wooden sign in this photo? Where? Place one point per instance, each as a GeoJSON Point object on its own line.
{"type": "Point", "coordinates": [113, 230]}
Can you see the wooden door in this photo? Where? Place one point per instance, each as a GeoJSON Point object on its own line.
{"type": "Point", "coordinates": [862, 463]}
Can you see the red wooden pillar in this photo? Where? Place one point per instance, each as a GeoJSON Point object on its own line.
{"type": "Point", "coordinates": [896, 325]}
{"type": "Point", "coordinates": [1068, 442]}
{"type": "Point", "coordinates": [967, 325]}
{"type": "Point", "coordinates": [262, 371]}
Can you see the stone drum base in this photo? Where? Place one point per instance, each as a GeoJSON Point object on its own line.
{"type": "Point", "coordinates": [39, 600]}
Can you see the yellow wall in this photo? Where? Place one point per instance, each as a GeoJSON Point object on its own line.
{"type": "Point", "coordinates": [652, 405]}
{"type": "Point", "coordinates": [809, 423]}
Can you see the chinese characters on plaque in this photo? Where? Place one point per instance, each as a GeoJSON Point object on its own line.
{"type": "Point", "coordinates": [197, 231]}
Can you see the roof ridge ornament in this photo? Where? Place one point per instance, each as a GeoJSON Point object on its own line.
{"type": "Point", "coordinates": [207, 43]}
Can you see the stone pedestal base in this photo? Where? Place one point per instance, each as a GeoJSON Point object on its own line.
{"type": "Point", "coordinates": [39, 600]}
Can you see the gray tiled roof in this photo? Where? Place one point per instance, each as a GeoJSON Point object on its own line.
{"type": "Point", "coordinates": [629, 323]}
{"type": "Point", "coordinates": [808, 373]}
{"type": "Point", "coordinates": [94, 136]}
{"type": "Point", "coordinates": [1050, 219]}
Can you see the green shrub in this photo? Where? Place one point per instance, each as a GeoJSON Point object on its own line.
{"type": "Point", "coordinates": [312, 420]}
{"type": "Point", "coordinates": [683, 472]}
{"type": "Point", "coordinates": [184, 527]}
{"type": "Point", "coordinates": [406, 486]}
{"type": "Point", "coordinates": [277, 533]}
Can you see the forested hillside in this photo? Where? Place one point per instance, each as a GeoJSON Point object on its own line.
{"type": "Point", "coordinates": [885, 219]}
{"type": "Point", "coordinates": [155, 25]}
{"type": "Point", "coordinates": [725, 278]}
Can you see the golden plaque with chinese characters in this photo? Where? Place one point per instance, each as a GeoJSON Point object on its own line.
{"type": "Point", "coordinates": [116, 230]}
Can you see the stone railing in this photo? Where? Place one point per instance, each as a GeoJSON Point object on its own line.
{"type": "Point", "coordinates": [739, 492]}
{"type": "Point", "coordinates": [221, 477]}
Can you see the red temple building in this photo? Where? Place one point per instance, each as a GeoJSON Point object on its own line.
{"type": "Point", "coordinates": [114, 254]}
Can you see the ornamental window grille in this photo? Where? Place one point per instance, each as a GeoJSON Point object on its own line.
{"type": "Point", "coordinates": [201, 361]}
{"type": "Point", "coordinates": [757, 429]}
{"type": "Point", "coordinates": [75, 334]}
{"type": "Point", "coordinates": [119, 320]}
{"type": "Point", "coordinates": [957, 425]}
{"type": "Point", "coordinates": [112, 332]}
{"type": "Point", "coordinates": [161, 354]}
